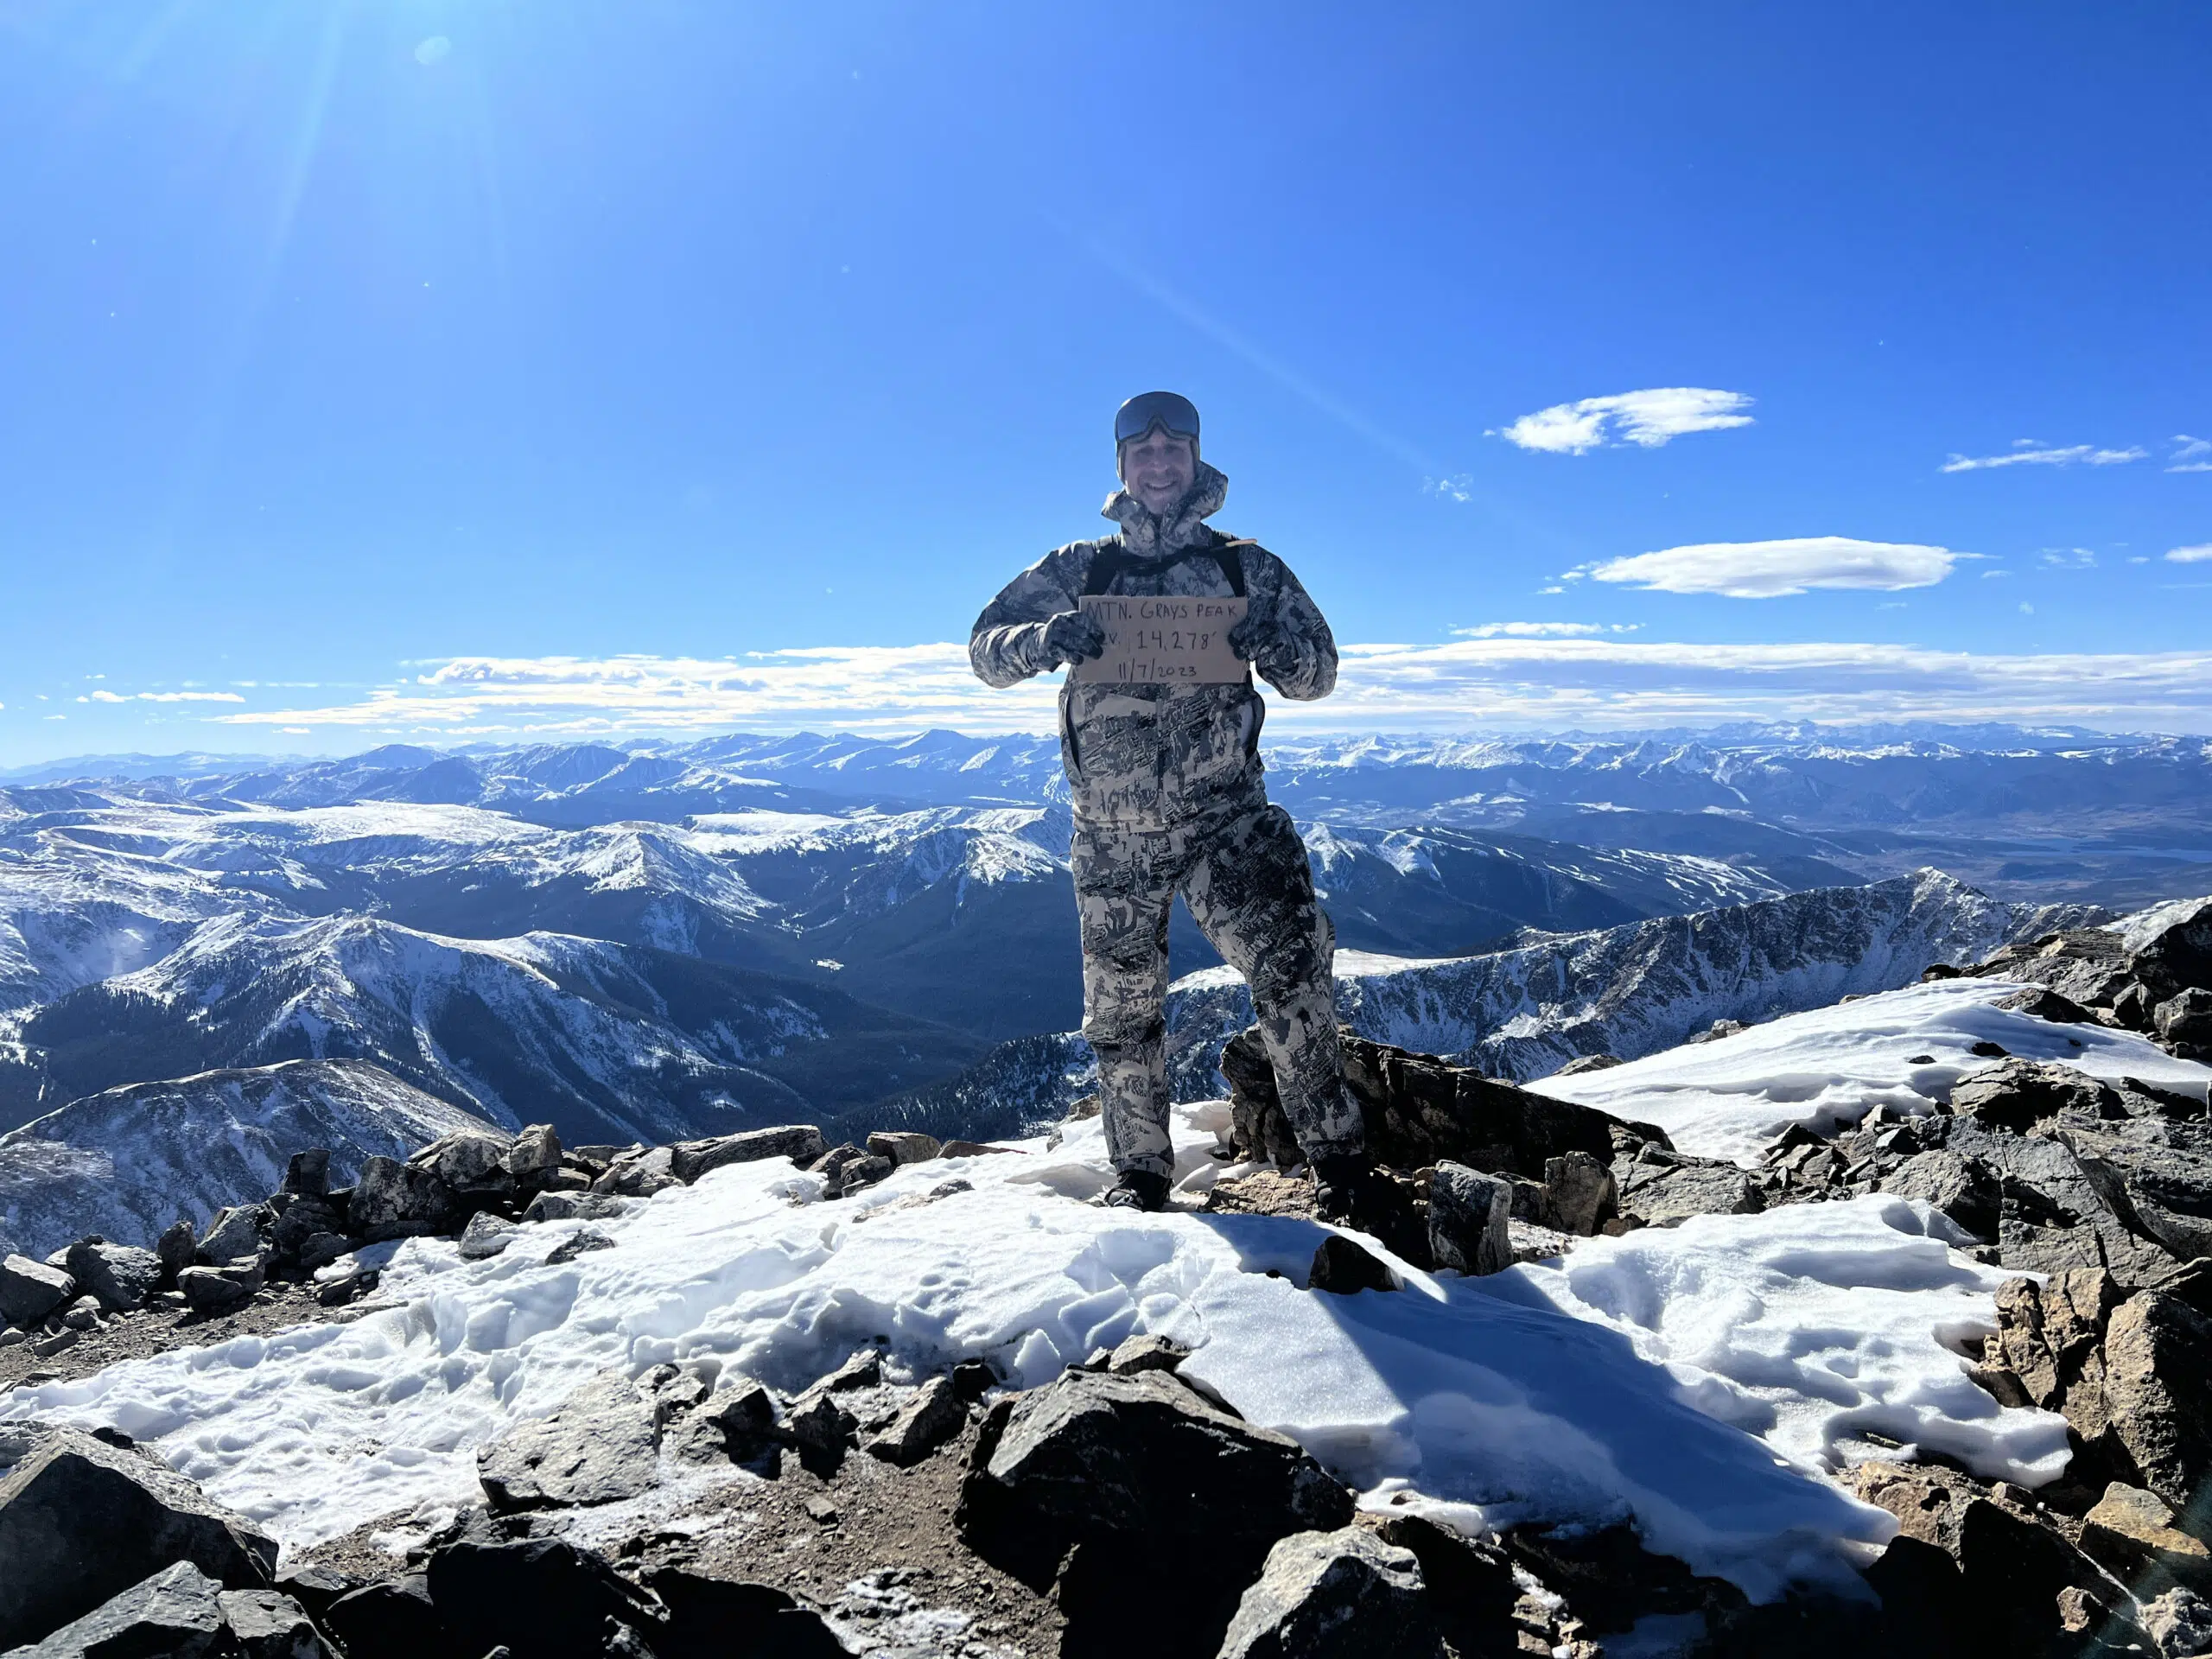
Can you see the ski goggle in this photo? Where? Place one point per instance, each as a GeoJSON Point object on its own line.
{"type": "Point", "coordinates": [1142, 413]}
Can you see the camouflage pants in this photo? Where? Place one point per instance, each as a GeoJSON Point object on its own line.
{"type": "Point", "coordinates": [1250, 890]}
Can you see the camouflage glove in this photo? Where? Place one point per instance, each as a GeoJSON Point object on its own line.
{"type": "Point", "coordinates": [1260, 640]}
{"type": "Point", "coordinates": [1073, 637]}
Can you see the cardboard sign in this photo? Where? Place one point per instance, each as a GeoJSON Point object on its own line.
{"type": "Point", "coordinates": [1174, 639]}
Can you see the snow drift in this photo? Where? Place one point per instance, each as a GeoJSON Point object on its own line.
{"type": "Point", "coordinates": [1658, 1377]}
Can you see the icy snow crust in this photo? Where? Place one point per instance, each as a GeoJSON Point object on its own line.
{"type": "Point", "coordinates": [1699, 1380]}
{"type": "Point", "coordinates": [1829, 1068]}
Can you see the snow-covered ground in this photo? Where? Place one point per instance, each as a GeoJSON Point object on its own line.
{"type": "Point", "coordinates": [1828, 1068]}
{"type": "Point", "coordinates": [1665, 1378]}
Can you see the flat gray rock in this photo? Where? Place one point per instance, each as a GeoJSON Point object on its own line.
{"type": "Point", "coordinates": [601, 1445]}
{"type": "Point", "coordinates": [1335, 1595]}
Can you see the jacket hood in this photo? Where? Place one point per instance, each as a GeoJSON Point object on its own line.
{"type": "Point", "coordinates": [1150, 536]}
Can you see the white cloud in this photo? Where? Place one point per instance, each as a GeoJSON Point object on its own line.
{"type": "Point", "coordinates": [2197, 555]}
{"type": "Point", "coordinates": [2070, 558]}
{"type": "Point", "coordinates": [2190, 454]}
{"type": "Point", "coordinates": [1647, 418]}
{"type": "Point", "coordinates": [2026, 609]}
{"type": "Point", "coordinates": [2025, 452]}
{"type": "Point", "coordinates": [105, 695]}
{"type": "Point", "coordinates": [1457, 487]}
{"type": "Point", "coordinates": [1768, 569]}
{"type": "Point", "coordinates": [1502, 682]}
{"type": "Point", "coordinates": [1544, 630]}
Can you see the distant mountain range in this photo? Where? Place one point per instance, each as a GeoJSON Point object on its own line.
{"type": "Point", "coordinates": [958, 916]}
{"type": "Point", "coordinates": [2023, 812]}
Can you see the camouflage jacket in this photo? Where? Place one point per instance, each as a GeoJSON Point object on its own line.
{"type": "Point", "coordinates": [1148, 757]}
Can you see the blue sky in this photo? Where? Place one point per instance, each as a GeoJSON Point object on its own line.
{"type": "Point", "coordinates": [486, 369]}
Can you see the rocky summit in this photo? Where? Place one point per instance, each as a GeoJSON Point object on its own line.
{"type": "Point", "coordinates": [485, 1225]}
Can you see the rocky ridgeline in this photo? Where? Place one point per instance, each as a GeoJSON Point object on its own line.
{"type": "Point", "coordinates": [478, 1186]}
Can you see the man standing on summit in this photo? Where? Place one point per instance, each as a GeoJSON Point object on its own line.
{"type": "Point", "coordinates": [1168, 798]}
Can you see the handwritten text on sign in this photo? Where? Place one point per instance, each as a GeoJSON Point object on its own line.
{"type": "Point", "coordinates": [1171, 640]}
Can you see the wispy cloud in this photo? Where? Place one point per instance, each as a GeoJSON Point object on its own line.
{"type": "Point", "coordinates": [1544, 630]}
{"type": "Point", "coordinates": [1499, 681]}
{"type": "Point", "coordinates": [1770, 569]}
{"type": "Point", "coordinates": [2200, 553]}
{"type": "Point", "coordinates": [1647, 418]}
{"type": "Point", "coordinates": [2069, 558]}
{"type": "Point", "coordinates": [2026, 452]}
{"type": "Point", "coordinates": [2190, 454]}
{"type": "Point", "coordinates": [1460, 486]}
{"type": "Point", "coordinates": [162, 697]}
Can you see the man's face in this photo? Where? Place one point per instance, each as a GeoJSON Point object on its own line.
{"type": "Point", "coordinates": [1158, 469]}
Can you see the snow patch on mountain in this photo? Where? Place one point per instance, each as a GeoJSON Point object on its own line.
{"type": "Point", "coordinates": [1526, 1395]}
{"type": "Point", "coordinates": [1827, 1068]}
{"type": "Point", "coordinates": [1634, 990]}
{"type": "Point", "coordinates": [126, 1163]}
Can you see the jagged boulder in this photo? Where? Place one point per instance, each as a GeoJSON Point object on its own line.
{"type": "Point", "coordinates": [30, 1292]}
{"type": "Point", "coordinates": [218, 1290]}
{"type": "Point", "coordinates": [1471, 1589]}
{"type": "Point", "coordinates": [2180, 1622]}
{"type": "Point", "coordinates": [1420, 1111]}
{"type": "Point", "coordinates": [1963, 1188]}
{"type": "Point", "coordinates": [120, 1276]}
{"type": "Point", "coordinates": [2175, 953]}
{"type": "Point", "coordinates": [904, 1146]}
{"type": "Point", "coordinates": [2157, 1388]}
{"type": "Point", "coordinates": [640, 1174]}
{"type": "Point", "coordinates": [486, 1235]}
{"type": "Point", "coordinates": [2151, 1171]}
{"type": "Point", "coordinates": [235, 1231]}
{"type": "Point", "coordinates": [397, 1200]}
{"type": "Point", "coordinates": [800, 1142]}
{"type": "Point", "coordinates": [175, 1614]}
{"type": "Point", "coordinates": [534, 1154]}
{"type": "Point", "coordinates": [1143, 1463]}
{"type": "Point", "coordinates": [572, 1206]}
{"type": "Point", "coordinates": [597, 1447]}
{"type": "Point", "coordinates": [392, 1620]}
{"type": "Point", "coordinates": [1344, 1266]}
{"type": "Point", "coordinates": [2186, 1018]}
{"type": "Point", "coordinates": [300, 1220]}
{"type": "Point", "coordinates": [467, 1160]}
{"type": "Point", "coordinates": [2031, 1590]}
{"type": "Point", "coordinates": [1469, 1220]}
{"type": "Point", "coordinates": [175, 1247]}
{"type": "Point", "coordinates": [81, 1522]}
{"type": "Point", "coordinates": [931, 1417]}
{"type": "Point", "coordinates": [715, 1618]}
{"type": "Point", "coordinates": [1345, 1595]}
{"type": "Point", "coordinates": [307, 1174]}
{"type": "Point", "coordinates": [2016, 1093]}
{"type": "Point", "coordinates": [2053, 1217]}
{"type": "Point", "coordinates": [2134, 1534]}
{"type": "Point", "coordinates": [536, 1596]}
{"type": "Point", "coordinates": [1662, 1188]}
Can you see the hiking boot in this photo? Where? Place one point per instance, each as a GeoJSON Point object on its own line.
{"type": "Point", "coordinates": [1137, 1189]}
{"type": "Point", "coordinates": [1349, 1191]}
